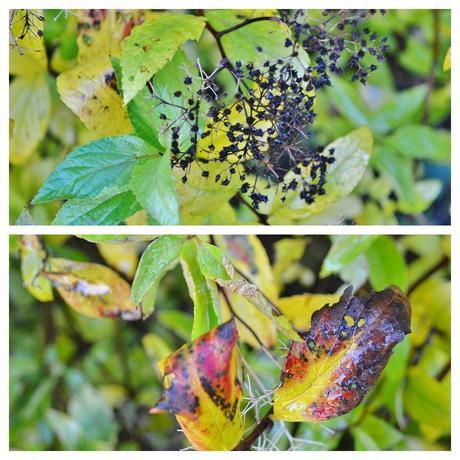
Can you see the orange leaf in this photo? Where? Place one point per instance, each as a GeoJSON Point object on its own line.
{"type": "Point", "coordinates": [92, 289]}
{"type": "Point", "coordinates": [344, 352]}
{"type": "Point", "coordinates": [201, 387]}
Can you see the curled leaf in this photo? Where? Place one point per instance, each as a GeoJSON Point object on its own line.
{"type": "Point", "coordinates": [250, 292]}
{"type": "Point", "coordinates": [343, 354]}
{"type": "Point", "coordinates": [201, 387]}
{"type": "Point", "coordinates": [33, 258]}
{"type": "Point", "coordinates": [92, 289]}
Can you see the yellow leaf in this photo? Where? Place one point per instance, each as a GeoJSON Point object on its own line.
{"type": "Point", "coordinates": [343, 353]}
{"type": "Point", "coordinates": [92, 289]}
{"type": "Point", "coordinates": [201, 387]}
{"type": "Point", "coordinates": [447, 62]}
{"type": "Point", "coordinates": [299, 308]}
{"type": "Point", "coordinates": [258, 323]}
{"type": "Point", "coordinates": [30, 109]}
{"type": "Point", "coordinates": [123, 257]}
{"type": "Point", "coordinates": [33, 258]}
{"type": "Point", "coordinates": [90, 91]}
{"type": "Point", "coordinates": [101, 32]}
{"type": "Point", "coordinates": [27, 47]}
{"type": "Point", "coordinates": [288, 251]}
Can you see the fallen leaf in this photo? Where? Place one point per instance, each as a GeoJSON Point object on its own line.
{"type": "Point", "coordinates": [92, 289]}
{"type": "Point", "coordinates": [201, 387]}
{"type": "Point", "coordinates": [344, 351]}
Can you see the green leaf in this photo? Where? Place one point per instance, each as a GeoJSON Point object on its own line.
{"type": "Point", "coordinates": [90, 409]}
{"type": "Point", "coordinates": [345, 97]}
{"type": "Point", "coordinates": [403, 108]}
{"type": "Point", "coordinates": [145, 108]}
{"type": "Point", "coordinates": [421, 142]}
{"type": "Point", "coordinates": [88, 170]}
{"type": "Point", "coordinates": [344, 250]}
{"type": "Point", "coordinates": [399, 171]}
{"type": "Point", "coordinates": [159, 257]}
{"type": "Point", "coordinates": [30, 110]}
{"type": "Point", "coordinates": [428, 402]}
{"type": "Point", "coordinates": [211, 261]}
{"type": "Point", "coordinates": [179, 322]}
{"type": "Point", "coordinates": [202, 291]}
{"type": "Point", "coordinates": [242, 44]}
{"type": "Point", "coordinates": [67, 429]}
{"type": "Point", "coordinates": [109, 208]}
{"type": "Point", "coordinates": [153, 186]}
{"type": "Point", "coordinates": [374, 433]}
{"type": "Point", "coordinates": [151, 45]}
{"type": "Point", "coordinates": [386, 264]}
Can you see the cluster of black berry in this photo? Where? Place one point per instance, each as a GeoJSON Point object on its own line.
{"type": "Point", "coordinates": [264, 132]}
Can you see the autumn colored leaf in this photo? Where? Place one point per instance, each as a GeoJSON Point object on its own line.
{"type": "Point", "coordinates": [92, 289]}
{"type": "Point", "coordinates": [202, 388]}
{"type": "Point", "coordinates": [344, 351]}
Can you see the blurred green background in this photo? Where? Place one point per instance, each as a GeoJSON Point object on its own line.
{"type": "Point", "coordinates": [84, 384]}
{"type": "Point", "coordinates": [406, 103]}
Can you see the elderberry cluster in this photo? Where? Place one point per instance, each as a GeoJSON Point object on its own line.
{"type": "Point", "coordinates": [263, 134]}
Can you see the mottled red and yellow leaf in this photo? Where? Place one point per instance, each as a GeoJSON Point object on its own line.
{"type": "Point", "coordinates": [92, 289]}
{"type": "Point", "coordinates": [202, 388]}
{"type": "Point", "coordinates": [343, 354]}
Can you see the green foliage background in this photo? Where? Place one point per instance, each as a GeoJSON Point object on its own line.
{"type": "Point", "coordinates": [406, 104]}
{"type": "Point", "coordinates": [82, 383]}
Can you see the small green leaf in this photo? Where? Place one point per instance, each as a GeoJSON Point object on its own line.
{"type": "Point", "coordinates": [403, 108]}
{"type": "Point", "coordinates": [151, 45]}
{"type": "Point", "coordinates": [153, 186]}
{"type": "Point", "coordinates": [344, 250]}
{"type": "Point", "coordinates": [421, 142]}
{"type": "Point", "coordinates": [179, 322]}
{"type": "Point", "coordinates": [109, 208]}
{"type": "Point", "coordinates": [211, 261]}
{"type": "Point", "coordinates": [386, 264]}
{"type": "Point", "coordinates": [202, 291]}
{"type": "Point", "coordinates": [88, 170]}
{"type": "Point", "coordinates": [159, 257]}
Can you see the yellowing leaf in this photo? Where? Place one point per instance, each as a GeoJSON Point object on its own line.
{"type": "Point", "coordinates": [288, 251]}
{"type": "Point", "coordinates": [248, 255]}
{"type": "Point", "coordinates": [200, 194]}
{"type": "Point", "coordinates": [90, 91]}
{"type": "Point", "coordinates": [101, 32]}
{"type": "Point", "coordinates": [344, 351]}
{"type": "Point", "coordinates": [258, 323]}
{"type": "Point", "coordinates": [123, 257]}
{"type": "Point", "coordinates": [201, 387]}
{"type": "Point", "coordinates": [33, 258]}
{"type": "Point", "coordinates": [30, 109]}
{"type": "Point", "coordinates": [299, 308]}
{"type": "Point", "coordinates": [27, 47]}
{"type": "Point", "coordinates": [447, 61]}
{"type": "Point", "coordinates": [92, 289]}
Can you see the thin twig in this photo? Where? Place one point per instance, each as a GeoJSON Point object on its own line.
{"type": "Point", "coordinates": [264, 424]}
{"type": "Point", "coordinates": [441, 264]}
